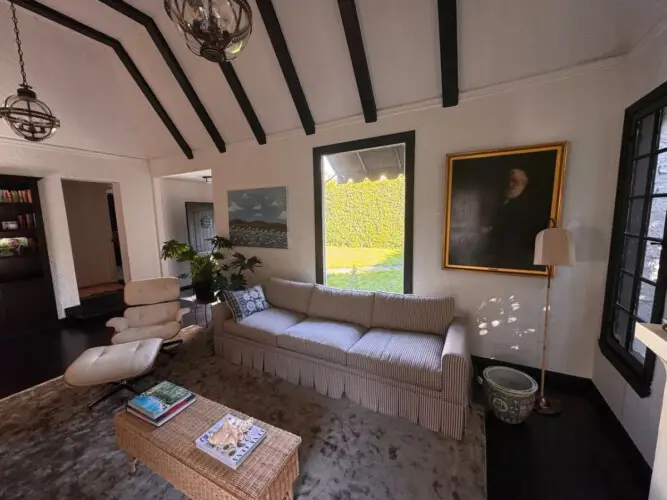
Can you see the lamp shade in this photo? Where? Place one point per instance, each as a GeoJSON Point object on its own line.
{"type": "Point", "coordinates": [553, 247]}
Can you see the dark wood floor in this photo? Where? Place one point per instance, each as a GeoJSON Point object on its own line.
{"type": "Point", "coordinates": [577, 455]}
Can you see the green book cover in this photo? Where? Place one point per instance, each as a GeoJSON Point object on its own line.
{"type": "Point", "coordinates": [159, 399]}
{"type": "Point", "coordinates": [168, 393]}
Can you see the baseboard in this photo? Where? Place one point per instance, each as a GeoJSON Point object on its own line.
{"type": "Point", "coordinates": [555, 380]}
{"type": "Point", "coordinates": [586, 388]}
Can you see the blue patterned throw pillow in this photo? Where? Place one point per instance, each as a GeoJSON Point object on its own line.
{"type": "Point", "coordinates": [247, 302]}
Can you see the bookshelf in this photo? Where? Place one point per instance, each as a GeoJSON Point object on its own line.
{"type": "Point", "coordinates": [26, 290]}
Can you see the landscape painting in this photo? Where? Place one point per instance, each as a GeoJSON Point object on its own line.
{"type": "Point", "coordinates": [258, 217]}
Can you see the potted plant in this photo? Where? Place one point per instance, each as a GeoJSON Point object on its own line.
{"type": "Point", "coordinates": [212, 272]}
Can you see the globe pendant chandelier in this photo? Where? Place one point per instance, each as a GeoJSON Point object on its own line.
{"type": "Point", "coordinates": [26, 115]}
{"type": "Point", "coordinates": [216, 30]}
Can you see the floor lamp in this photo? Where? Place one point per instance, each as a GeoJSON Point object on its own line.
{"type": "Point", "coordinates": [553, 247]}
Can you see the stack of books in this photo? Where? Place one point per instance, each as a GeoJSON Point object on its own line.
{"type": "Point", "coordinates": [160, 403]}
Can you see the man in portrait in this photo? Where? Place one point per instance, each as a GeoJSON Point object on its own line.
{"type": "Point", "coordinates": [508, 231]}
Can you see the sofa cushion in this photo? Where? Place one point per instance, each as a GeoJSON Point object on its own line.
{"type": "Point", "coordinates": [245, 303]}
{"type": "Point", "coordinates": [155, 314]}
{"type": "Point", "coordinates": [328, 340]}
{"type": "Point", "coordinates": [264, 326]}
{"type": "Point", "coordinates": [290, 295]}
{"type": "Point", "coordinates": [412, 313]}
{"type": "Point", "coordinates": [164, 332]}
{"type": "Point", "coordinates": [402, 356]}
{"type": "Point", "coordinates": [349, 306]}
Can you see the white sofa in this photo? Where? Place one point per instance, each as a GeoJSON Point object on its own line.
{"type": "Point", "coordinates": [401, 355]}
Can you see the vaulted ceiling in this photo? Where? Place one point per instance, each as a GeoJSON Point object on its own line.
{"type": "Point", "coordinates": [102, 108]}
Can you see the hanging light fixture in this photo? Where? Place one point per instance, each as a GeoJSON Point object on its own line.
{"type": "Point", "coordinates": [26, 115]}
{"type": "Point", "coordinates": [216, 30]}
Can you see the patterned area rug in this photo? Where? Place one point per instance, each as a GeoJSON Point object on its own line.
{"type": "Point", "coordinates": [52, 447]}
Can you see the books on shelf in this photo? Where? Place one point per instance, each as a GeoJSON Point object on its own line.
{"type": "Point", "coordinates": [160, 403]}
{"type": "Point", "coordinates": [232, 456]}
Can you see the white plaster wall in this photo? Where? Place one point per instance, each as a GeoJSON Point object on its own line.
{"type": "Point", "coordinates": [174, 195]}
{"type": "Point", "coordinates": [639, 416]}
{"type": "Point", "coordinates": [133, 184]}
{"type": "Point", "coordinates": [581, 106]}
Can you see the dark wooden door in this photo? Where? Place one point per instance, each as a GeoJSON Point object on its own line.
{"type": "Point", "coordinates": [201, 225]}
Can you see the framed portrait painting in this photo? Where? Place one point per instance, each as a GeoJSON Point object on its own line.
{"type": "Point", "coordinates": [497, 202]}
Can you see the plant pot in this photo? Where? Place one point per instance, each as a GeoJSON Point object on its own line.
{"type": "Point", "coordinates": [511, 393]}
{"type": "Point", "coordinates": [204, 291]}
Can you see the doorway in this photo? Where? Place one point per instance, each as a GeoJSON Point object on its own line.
{"type": "Point", "coordinates": [93, 231]}
{"type": "Point", "coordinates": [363, 213]}
{"type": "Point", "coordinates": [201, 225]}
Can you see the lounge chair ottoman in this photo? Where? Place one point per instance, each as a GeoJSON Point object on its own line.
{"type": "Point", "coordinates": [116, 365]}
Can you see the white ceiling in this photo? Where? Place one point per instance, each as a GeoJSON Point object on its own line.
{"type": "Point", "coordinates": [196, 176]}
{"type": "Point", "coordinates": [102, 109]}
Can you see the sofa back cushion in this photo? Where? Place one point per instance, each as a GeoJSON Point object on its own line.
{"type": "Point", "coordinates": [154, 314]}
{"type": "Point", "coordinates": [349, 306]}
{"type": "Point", "coordinates": [412, 313]}
{"type": "Point", "coordinates": [291, 295]}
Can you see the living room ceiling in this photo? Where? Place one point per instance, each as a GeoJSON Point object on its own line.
{"type": "Point", "coordinates": [102, 109]}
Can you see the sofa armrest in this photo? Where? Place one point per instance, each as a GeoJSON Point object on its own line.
{"type": "Point", "coordinates": [221, 313]}
{"type": "Point", "coordinates": [456, 364]}
{"type": "Point", "coordinates": [182, 312]}
{"type": "Point", "coordinates": [118, 324]}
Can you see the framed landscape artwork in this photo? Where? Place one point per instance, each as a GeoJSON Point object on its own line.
{"type": "Point", "coordinates": [497, 201]}
{"type": "Point", "coordinates": [258, 217]}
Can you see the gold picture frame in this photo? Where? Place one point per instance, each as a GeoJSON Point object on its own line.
{"type": "Point", "coordinates": [492, 228]}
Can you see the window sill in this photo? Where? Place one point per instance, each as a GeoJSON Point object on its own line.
{"type": "Point", "coordinates": [638, 380]}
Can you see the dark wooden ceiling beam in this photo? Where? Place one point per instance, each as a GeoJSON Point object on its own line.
{"type": "Point", "coordinates": [242, 98]}
{"type": "Point", "coordinates": [74, 25]}
{"type": "Point", "coordinates": [355, 45]}
{"type": "Point", "coordinates": [165, 51]}
{"type": "Point", "coordinates": [268, 13]}
{"type": "Point", "coordinates": [449, 52]}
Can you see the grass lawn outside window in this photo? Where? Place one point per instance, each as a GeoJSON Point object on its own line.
{"type": "Point", "coordinates": [369, 269]}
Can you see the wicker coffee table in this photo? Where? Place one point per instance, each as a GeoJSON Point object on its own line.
{"type": "Point", "coordinates": [267, 474]}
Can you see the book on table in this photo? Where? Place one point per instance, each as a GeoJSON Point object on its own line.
{"type": "Point", "coordinates": [160, 401]}
{"type": "Point", "coordinates": [232, 456]}
{"type": "Point", "coordinates": [167, 416]}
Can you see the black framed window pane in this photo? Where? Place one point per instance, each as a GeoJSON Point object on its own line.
{"type": "Point", "coordinates": [651, 261]}
{"type": "Point", "coordinates": [656, 223]}
{"type": "Point", "coordinates": [662, 140]}
{"type": "Point", "coordinates": [644, 135]}
{"type": "Point", "coordinates": [638, 349]}
{"type": "Point", "coordinates": [640, 176]}
{"type": "Point", "coordinates": [645, 302]}
{"type": "Point", "coordinates": [630, 248]}
{"type": "Point", "coordinates": [620, 326]}
{"type": "Point", "coordinates": [625, 287]}
{"type": "Point", "coordinates": [660, 178]}
{"type": "Point", "coordinates": [634, 225]}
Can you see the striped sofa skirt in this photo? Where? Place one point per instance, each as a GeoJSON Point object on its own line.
{"type": "Point", "coordinates": [426, 407]}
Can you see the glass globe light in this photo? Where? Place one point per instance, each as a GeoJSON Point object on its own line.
{"type": "Point", "coordinates": [29, 117]}
{"type": "Point", "coordinates": [216, 30]}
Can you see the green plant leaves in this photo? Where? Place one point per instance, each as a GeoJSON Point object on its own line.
{"type": "Point", "coordinates": [224, 272]}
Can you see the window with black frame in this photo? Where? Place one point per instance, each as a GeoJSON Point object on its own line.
{"type": "Point", "coordinates": [637, 273]}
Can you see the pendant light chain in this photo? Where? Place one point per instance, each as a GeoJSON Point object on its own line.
{"type": "Point", "coordinates": [27, 116]}
{"type": "Point", "coordinates": [18, 44]}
